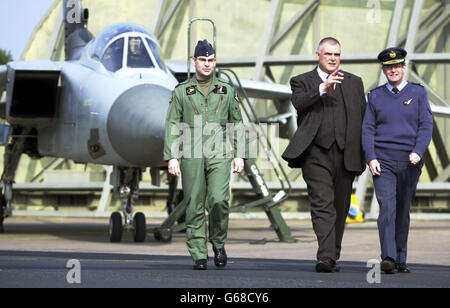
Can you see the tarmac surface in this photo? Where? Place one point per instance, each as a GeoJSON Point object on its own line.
{"type": "Point", "coordinates": [36, 252]}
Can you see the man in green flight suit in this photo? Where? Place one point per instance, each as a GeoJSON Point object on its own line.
{"type": "Point", "coordinates": [200, 114]}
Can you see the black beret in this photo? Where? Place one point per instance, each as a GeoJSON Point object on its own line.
{"type": "Point", "coordinates": [204, 49]}
{"type": "Point", "coordinates": [392, 56]}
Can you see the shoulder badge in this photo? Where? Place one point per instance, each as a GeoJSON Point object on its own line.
{"type": "Point", "coordinates": [377, 88]}
{"type": "Point", "coordinates": [224, 81]}
{"type": "Point", "coordinates": [419, 84]}
{"type": "Point", "coordinates": [181, 83]}
{"type": "Point", "coordinates": [191, 90]}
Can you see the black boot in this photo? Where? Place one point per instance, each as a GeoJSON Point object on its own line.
{"type": "Point", "coordinates": [220, 257]}
{"type": "Point", "coordinates": [201, 265]}
{"type": "Point", "coordinates": [388, 266]}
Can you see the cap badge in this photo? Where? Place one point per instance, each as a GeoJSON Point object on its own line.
{"type": "Point", "coordinates": [392, 54]}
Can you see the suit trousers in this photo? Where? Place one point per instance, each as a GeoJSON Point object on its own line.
{"type": "Point", "coordinates": [329, 190]}
{"type": "Point", "coordinates": [206, 187]}
{"type": "Point", "coordinates": [395, 189]}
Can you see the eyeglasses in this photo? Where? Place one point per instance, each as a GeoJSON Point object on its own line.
{"type": "Point", "coordinates": [393, 66]}
{"type": "Point", "coordinates": [203, 61]}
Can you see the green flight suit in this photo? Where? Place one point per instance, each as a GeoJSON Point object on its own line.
{"type": "Point", "coordinates": [206, 155]}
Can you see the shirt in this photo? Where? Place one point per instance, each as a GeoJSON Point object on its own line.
{"type": "Point", "coordinates": [324, 77]}
{"type": "Point", "coordinates": [400, 86]}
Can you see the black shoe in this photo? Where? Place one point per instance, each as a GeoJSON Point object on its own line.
{"type": "Point", "coordinates": [220, 257]}
{"type": "Point", "coordinates": [388, 266]}
{"type": "Point", "coordinates": [326, 265]}
{"type": "Point", "coordinates": [402, 268]}
{"type": "Point", "coordinates": [201, 265]}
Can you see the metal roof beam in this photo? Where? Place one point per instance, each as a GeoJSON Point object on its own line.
{"type": "Point", "coordinates": [393, 32]}
{"type": "Point", "coordinates": [56, 37]}
{"type": "Point", "coordinates": [395, 23]}
{"type": "Point", "coordinates": [156, 22]}
{"type": "Point", "coordinates": [440, 111]}
{"type": "Point", "coordinates": [425, 18]}
{"type": "Point", "coordinates": [311, 59]}
{"type": "Point", "coordinates": [413, 27]}
{"type": "Point", "coordinates": [444, 176]}
{"type": "Point", "coordinates": [168, 17]}
{"type": "Point", "coordinates": [435, 97]}
{"type": "Point", "coordinates": [435, 26]}
{"type": "Point", "coordinates": [268, 34]}
{"type": "Point", "coordinates": [307, 9]}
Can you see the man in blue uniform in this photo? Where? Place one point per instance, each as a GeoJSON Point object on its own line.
{"type": "Point", "coordinates": [396, 132]}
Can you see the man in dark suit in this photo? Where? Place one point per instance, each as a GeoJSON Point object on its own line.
{"type": "Point", "coordinates": [330, 106]}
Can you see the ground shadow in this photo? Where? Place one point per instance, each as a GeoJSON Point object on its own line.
{"type": "Point", "coordinates": [34, 268]}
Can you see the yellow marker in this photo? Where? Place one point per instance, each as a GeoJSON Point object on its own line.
{"type": "Point", "coordinates": [87, 102]}
{"type": "Point", "coordinates": [358, 218]}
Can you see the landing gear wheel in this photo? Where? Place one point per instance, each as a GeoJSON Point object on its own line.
{"type": "Point", "coordinates": [163, 235]}
{"type": "Point", "coordinates": [140, 227]}
{"type": "Point", "coordinates": [115, 227]}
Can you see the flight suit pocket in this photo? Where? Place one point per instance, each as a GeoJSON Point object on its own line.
{"type": "Point", "coordinates": [219, 105]}
{"type": "Point", "coordinates": [191, 100]}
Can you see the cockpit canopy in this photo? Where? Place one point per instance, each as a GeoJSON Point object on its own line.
{"type": "Point", "coordinates": [127, 46]}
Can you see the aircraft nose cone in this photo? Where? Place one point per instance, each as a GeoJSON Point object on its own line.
{"type": "Point", "coordinates": [136, 124]}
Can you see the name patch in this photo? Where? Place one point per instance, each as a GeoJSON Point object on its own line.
{"type": "Point", "coordinates": [220, 90]}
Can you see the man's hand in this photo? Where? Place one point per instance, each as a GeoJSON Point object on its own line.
{"type": "Point", "coordinates": [375, 167]}
{"type": "Point", "coordinates": [335, 78]}
{"type": "Point", "coordinates": [414, 158]}
{"type": "Point", "coordinates": [174, 167]}
{"type": "Point", "coordinates": [238, 165]}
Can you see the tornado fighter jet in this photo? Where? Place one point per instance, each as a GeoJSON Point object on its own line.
{"type": "Point", "coordinates": [105, 104]}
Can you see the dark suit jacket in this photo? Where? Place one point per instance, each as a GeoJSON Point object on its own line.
{"type": "Point", "coordinates": [308, 103]}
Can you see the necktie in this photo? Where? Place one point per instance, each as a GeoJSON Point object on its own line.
{"type": "Point", "coordinates": [395, 90]}
{"type": "Point", "coordinates": [330, 89]}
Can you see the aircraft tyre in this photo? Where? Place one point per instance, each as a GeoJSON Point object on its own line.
{"type": "Point", "coordinates": [115, 227]}
{"type": "Point", "coordinates": [163, 235]}
{"type": "Point", "coordinates": [140, 227]}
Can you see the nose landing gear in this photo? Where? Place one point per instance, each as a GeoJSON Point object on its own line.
{"type": "Point", "coordinates": [129, 179]}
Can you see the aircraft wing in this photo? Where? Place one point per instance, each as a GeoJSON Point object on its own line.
{"type": "Point", "coordinates": [264, 90]}
{"type": "Point", "coordinates": [254, 89]}
{"type": "Point", "coordinates": [178, 67]}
